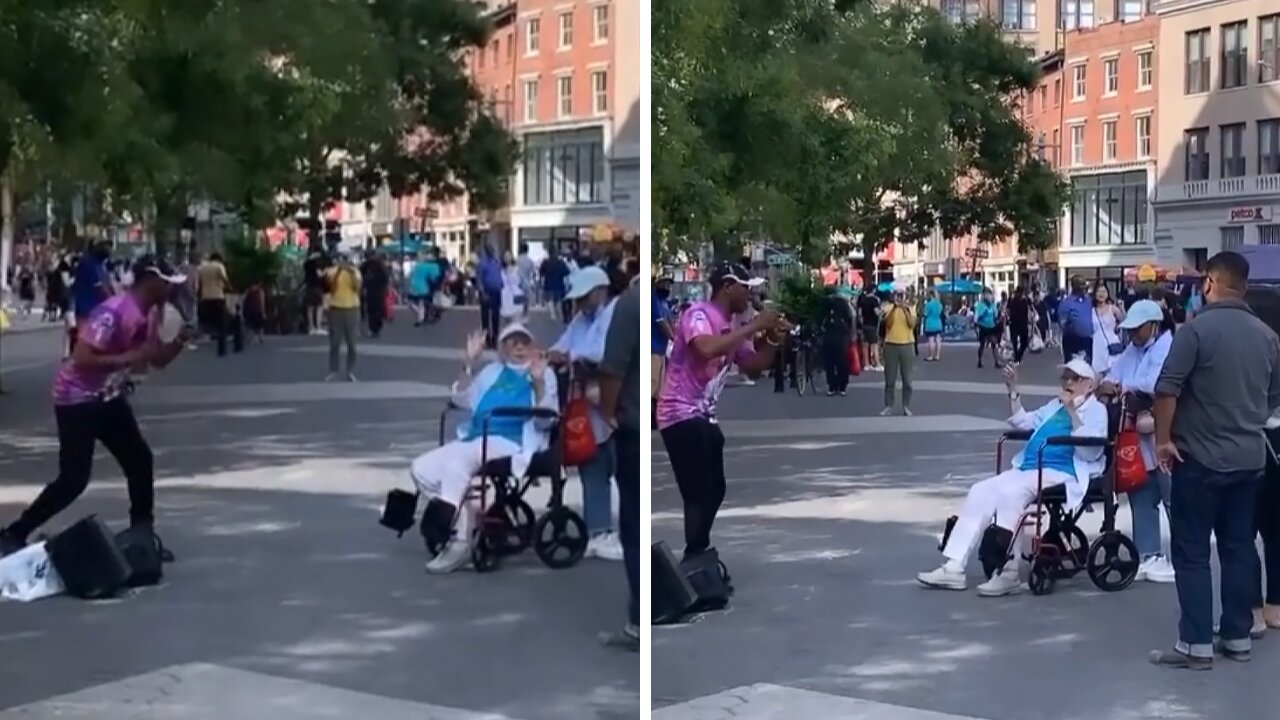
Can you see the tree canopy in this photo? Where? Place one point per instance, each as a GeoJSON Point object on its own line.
{"type": "Point", "coordinates": [804, 120]}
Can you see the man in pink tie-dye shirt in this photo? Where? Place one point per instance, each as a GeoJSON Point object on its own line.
{"type": "Point", "coordinates": [90, 400]}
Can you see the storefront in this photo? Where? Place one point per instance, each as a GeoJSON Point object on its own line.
{"type": "Point", "coordinates": [1108, 227]}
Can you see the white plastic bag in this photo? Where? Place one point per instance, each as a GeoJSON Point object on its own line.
{"type": "Point", "coordinates": [29, 575]}
{"type": "Point", "coordinates": [1036, 345]}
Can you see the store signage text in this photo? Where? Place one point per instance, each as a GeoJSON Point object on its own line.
{"type": "Point", "coordinates": [1251, 213]}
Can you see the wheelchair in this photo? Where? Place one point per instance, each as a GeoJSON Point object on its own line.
{"type": "Point", "coordinates": [1060, 549]}
{"type": "Point", "coordinates": [507, 523]}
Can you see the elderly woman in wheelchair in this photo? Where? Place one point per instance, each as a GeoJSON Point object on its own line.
{"type": "Point", "coordinates": [520, 378]}
{"type": "Point", "coordinates": [1065, 448]}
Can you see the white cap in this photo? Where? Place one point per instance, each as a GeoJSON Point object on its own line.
{"type": "Point", "coordinates": [1141, 313]}
{"type": "Point", "coordinates": [1079, 367]}
{"type": "Point", "coordinates": [514, 329]}
{"type": "Point", "coordinates": [584, 281]}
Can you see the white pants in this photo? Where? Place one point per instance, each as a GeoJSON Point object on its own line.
{"type": "Point", "coordinates": [446, 472]}
{"type": "Point", "coordinates": [1005, 497]}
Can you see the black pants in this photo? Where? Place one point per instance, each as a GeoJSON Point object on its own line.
{"type": "Point", "coordinates": [1020, 337]}
{"type": "Point", "coordinates": [566, 311]}
{"type": "Point", "coordinates": [1073, 345]}
{"type": "Point", "coordinates": [835, 355]}
{"type": "Point", "coordinates": [213, 319]}
{"type": "Point", "coordinates": [784, 366]}
{"type": "Point", "coordinates": [696, 450]}
{"type": "Point", "coordinates": [491, 316]}
{"type": "Point", "coordinates": [375, 311]}
{"type": "Point", "coordinates": [1268, 520]}
{"type": "Point", "coordinates": [989, 338]}
{"type": "Point", "coordinates": [627, 477]}
{"type": "Point", "coordinates": [80, 428]}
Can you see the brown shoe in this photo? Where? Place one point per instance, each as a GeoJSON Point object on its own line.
{"type": "Point", "coordinates": [1180, 660]}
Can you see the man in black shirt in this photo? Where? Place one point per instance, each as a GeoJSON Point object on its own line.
{"type": "Point", "coordinates": [837, 333]}
{"type": "Point", "coordinates": [313, 283]}
{"type": "Point", "coordinates": [869, 315]}
{"type": "Point", "coordinates": [1018, 310]}
{"type": "Point", "coordinates": [376, 279]}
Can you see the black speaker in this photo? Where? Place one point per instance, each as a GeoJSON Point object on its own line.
{"type": "Point", "coordinates": [398, 511]}
{"type": "Point", "coordinates": [144, 552]}
{"type": "Point", "coordinates": [673, 597]}
{"type": "Point", "coordinates": [709, 580]}
{"type": "Point", "coordinates": [88, 560]}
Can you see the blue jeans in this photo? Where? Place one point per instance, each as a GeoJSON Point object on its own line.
{"type": "Point", "coordinates": [1144, 503]}
{"type": "Point", "coordinates": [1206, 502]}
{"type": "Point", "coordinates": [597, 489]}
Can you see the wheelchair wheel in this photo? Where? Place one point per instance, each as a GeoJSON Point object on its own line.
{"type": "Point", "coordinates": [485, 552]}
{"type": "Point", "coordinates": [1113, 561]}
{"type": "Point", "coordinates": [560, 538]}
{"type": "Point", "coordinates": [1073, 548]}
{"type": "Point", "coordinates": [516, 519]}
{"type": "Point", "coordinates": [1044, 575]}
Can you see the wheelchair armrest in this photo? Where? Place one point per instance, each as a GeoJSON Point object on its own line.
{"type": "Point", "coordinates": [539, 413]}
{"type": "Point", "coordinates": [1017, 435]}
{"type": "Point", "coordinates": [1073, 441]}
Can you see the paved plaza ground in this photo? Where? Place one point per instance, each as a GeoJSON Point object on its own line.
{"type": "Point", "coordinates": [288, 600]}
{"type": "Point", "coordinates": [831, 512]}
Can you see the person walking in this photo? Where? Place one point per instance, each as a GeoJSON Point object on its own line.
{"type": "Point", "coordinates": [986, 318]}
{"type": "Point", "coordinates": [212, 284]}
{"type": "Point", "coordinates": [1075, 317]}
{"type": "Point", "coordinates": [1218, 387]}
{"type": "Point", "coordinates": [869, 318]}
{"type": "Point", "coordinates": [837, 334]}
{"type": "Point", "coordinates": [1019, 312]}
{"type": "Point", "coordinates": [490, 281]}
{"type": "Point", "coordinates": [343, 283]}
{"type": "Point", "coordinates": [375, 281]}
{"type": "Point", "coordinates": [899, 353]}
{"type": "Point", "coordinates": [932, 323]}
{"type": "Point", "coordinates": [1107, 315]}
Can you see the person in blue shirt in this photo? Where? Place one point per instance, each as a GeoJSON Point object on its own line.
{"type": "Point", "coordinates": [985, 317]}
{"type": "Point", "coordinates": [490, 281]}
{"type": "Point", "coordinates": [424, 280]}
{"type": "Point", "coordinates": [1005, 497]}
{"type": "Point", "coordinates": [931, 323]}
{"type": "Point", "coordinates": [520, 378]}
{"type": "Point", "coordinates": [662, 335]}
{"type": "Point", "coordinates": [1075, 317]}
{"type": "Point", "coordinates": [92, 282]}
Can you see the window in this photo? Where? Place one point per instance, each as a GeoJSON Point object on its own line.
{"type": "Point", "coordinates": [1269, 234]}
{"type": "Point", "coordinates": [1109, 141]}
{"type": "Point", "coordinates": [1077, 144]}
{"type": "Point", "coordinates": [953, 10]}
{"type": "Point", "coordinates": [511, 46]}
{"type": "Point", "coordinates": [1196, 144]}
{"type": "Point", "coordinates": [564, 96]}
{"type": "Point", "coordinates": [493, 51]}
{"type": "Point", "coordinates": [600, 23]}
{"type": "Point", "coordinates": [1057, 146]}
{"type": "Point", "coordinates": [1197, 62]}
{"type": "Point", "coordinates": [1235, 55]}
{"type": "Point", "coordinates": [1078, 82]}
{"type": "Point", "coordinates": [507, 101]}
{"type": "Point", "coordinates": [1232, 237]}
{"type": "Point", "coordinates": [599, 92]}
{"type": "Point", "coordinates": [532, 36]}
{"type": "Point", "coordinates": [1142, 135]}
{"type": "Point", "coordinates": [1269, 147]}
{"type": "Point", "coordinates": [1109, 209]}
{"type": "Point", "coordinates": [564, 168]}
{"type": "Point", "coordinates": [1111, 76]}
{"type": "Point", "coordinates": [1057, 91]}
{"type": "Point", "coordinates": [1145, 70]}
{"type": "Point", "coordinates": [1232, 149]}
{"type": "Point", "coordinates": [1075, 14]}
{"type": "Point", "coordinates": [566, 30]}
{"type": "Point", "coordinates": [1020, 14]}
{"type": "Point", "coordinates": [1044, 97]}
{"type": "Point", "coordinates": [1269, 48]}
{"type": "Point", "coordinates": [530, 113]}
{"type": "Point", "coordinates": [480, 59]}
{"type": "Point", "coordinates": [1130, 10]}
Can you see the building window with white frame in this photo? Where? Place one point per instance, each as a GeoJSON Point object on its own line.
{"type": "Point", "coordinates": [566, 30]}
{"type": "Point", "coordinates": [564, 168]}
{"type": "Point", "coordinates": [1077, 144]}
{"type": "Point", "coordinates": [1111, 76]}
{"type": "Point", "coordinates": [1142, 136]}
{"type": "Point", "coordinates": [532, 36]}
{"type": "Point", "coordinates": [530, 109]}
{"type": "Point", "coordinates": [1231, 139]}
{"type": "Point", "coordinates": [564, 96]}
{"type": "Point", "coordinates": [600, 23]}
{"type": "Point", "coordinates": [1234, 56]}
{"type": "Point", "coordinates": [1146, 70]}
{"type": "Point", "coordinates": [1232, 237]}
{"type": "Point", "coordinates": [953, 10]}
{"type": "Point", "coordinates": [1269, 234]}
{"type": "Point", "coordinates": [1269, 48]}
{"type": "Point", "coordinates": [1269, 147]}
{"type": "Point", "coordinates": [1078, 82]}
{"type": "Point", "coordinates": [1019, 14]}
{"type": "Point", "coordinates": [1196, 149]}
{"type": "Point", "coordinates": [1109, 141]}
{"type": "Point", "coordinates": [1076, 14]}
{"type": "Point", "coordinates": [1130, 10]}
{"type": "Point", "coordinates": [1196, 59]}
{"type": "Point", "coordinates": [600, 92]}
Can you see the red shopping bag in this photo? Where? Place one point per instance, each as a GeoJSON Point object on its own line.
{"type": "Point", "coordinates": [855, 359]}
{"type": "Point", "coordinates": [575, 432]}
{"type": "Point", "coordinates": [1131, 473]}
{"type": "Point", "coordinates": [389, 305]}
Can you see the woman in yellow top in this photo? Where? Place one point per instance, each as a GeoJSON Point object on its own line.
{"type": "Point", "coordinates": [343, 283]}
{"type": "Point", "coordinates": [898, 352]}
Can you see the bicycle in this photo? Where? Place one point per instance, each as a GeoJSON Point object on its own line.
{"type": "Point", "coordinates": [809, 370]}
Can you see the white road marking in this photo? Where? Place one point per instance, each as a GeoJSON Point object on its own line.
{"type": "Point", "coordinates": [774, 702]}
{"type": "Point", "coordinates": [262, 393]}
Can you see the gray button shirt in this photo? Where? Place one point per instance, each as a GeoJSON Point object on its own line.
{"type": "Point", "coordinates": [1224, 369]}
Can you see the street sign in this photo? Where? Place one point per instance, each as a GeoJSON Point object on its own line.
{"type": "Point", "coordinates": [977, 253]}
{"type": "Point", "coordinates": [428, 213]}
{"type": "Point", "coordinates": [779, 259]}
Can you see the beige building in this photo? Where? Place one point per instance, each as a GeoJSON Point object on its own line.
{"type": "Point", "coordinates": [1219, 132]}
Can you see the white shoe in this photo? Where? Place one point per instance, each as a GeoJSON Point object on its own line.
{"type": "Point", "coordinates": [943, 579]}
{"type": "Point", "coordinates": [456, 554]}
{"type": "Point", "coordinates": [330, 377]}
{"type": "Point", "coordinates": [1157, 569]}
{"type": "Point", "coordinates": [605, 546]}
{"type": "Point", "coordinates": [906, 412]}
{"type": "Point", "coordinates": [351, 377]}
{"type": "Point", "coordinates": [1006, 583]}
{"type": "Point", "coordinates": [886, 412]}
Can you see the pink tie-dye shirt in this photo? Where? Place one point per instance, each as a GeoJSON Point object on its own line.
{"type": "Point", "coordinates": [116, 326]}
{"type": "Point", "coordinates": [692, 387]}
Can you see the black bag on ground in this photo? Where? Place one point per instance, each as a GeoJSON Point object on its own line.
{"type": "Point", "coordinates": [709, 580]}
{"type": "Point", "coordinates": [145, 554]}
{"type": "Point", "coordinates": [673, 596]}
{"type": "Point", "coordinates": [88, 560]}
{"type": "Point", "coordinates": [399, 510]}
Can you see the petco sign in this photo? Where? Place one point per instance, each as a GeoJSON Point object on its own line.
{"type": "Point", "coordinates": [1249, 214]}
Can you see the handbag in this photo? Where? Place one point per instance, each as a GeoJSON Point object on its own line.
{"type": "Point", "coordinates": [1130, 472]}
{"type": "Point", "coordinates": [1114, 348]}
{"type": "Point", "coordinates": [855, 359]}
{"type": "Point", "coordinates": [579, 442]}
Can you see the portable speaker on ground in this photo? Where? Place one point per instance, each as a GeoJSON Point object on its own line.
{"type": "Point", "coordinates": [88, 560]}
{"type": "Point", "coordinates": [709, 580]}
{"type": "Point", "coordinates": [673, 597]}
{"type": "Point", "coordinates": [145, 555]}
{"type": "Point", "coordinates": [399, 510]}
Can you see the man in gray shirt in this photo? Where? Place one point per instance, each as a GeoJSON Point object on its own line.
{"type": "Point", "coordinates": [1218, 386]}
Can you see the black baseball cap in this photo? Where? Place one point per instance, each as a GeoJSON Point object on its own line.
{"type": "Point", "coordinates": [152, 265]}
{"type": "Point", "coordinates": [726, 273]}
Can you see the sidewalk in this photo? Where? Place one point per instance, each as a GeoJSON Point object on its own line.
{"type": "Point", "coordinates": [15, 322]}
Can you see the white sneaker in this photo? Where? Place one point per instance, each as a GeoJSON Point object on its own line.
{"type": "Point", "coordinates": [351, 377]}
{"type": "Point", "coordinates": [1006, 583]}
{"type": "Point", "coordinates": [605, 546]}
{"type": "Point", "coordinates": [886, 412]}
{"type": "Point", "coordinates": [1157, 569]}
{"type": "Point", "coordinates": [456, 554]}
{"type": "Point", "coordinates": [943, 579]}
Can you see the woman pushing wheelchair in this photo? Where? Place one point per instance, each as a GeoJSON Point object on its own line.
{"type": "Point", "coordinates": [520, 378]}
{"type": "Point", "coordinates": [1005, 496]}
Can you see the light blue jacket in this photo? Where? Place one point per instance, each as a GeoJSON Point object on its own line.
{"type": "Point", "coordinates": [584, 340]}
{"type": "Point", "coordinates": [1136, 370]}
{"type": "Point", "coordinates": [537, 433]}
{"type": "Point", "coordinates": [1089, 461]}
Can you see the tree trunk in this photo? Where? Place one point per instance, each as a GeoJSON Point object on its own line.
{"type": "Point", "coordinates": [6, 230]}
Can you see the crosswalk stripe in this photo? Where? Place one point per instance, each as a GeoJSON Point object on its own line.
{"type": "Point", "coordinates": [774, 702]}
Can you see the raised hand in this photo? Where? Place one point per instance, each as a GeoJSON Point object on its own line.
{"type": "Point", "coordinates": [537, 365]}
{"type": "Point", "coordinates": [475, 345]}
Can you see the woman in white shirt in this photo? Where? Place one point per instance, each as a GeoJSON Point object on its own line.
{"type": "Point", "coordinates": [1106, 316]}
